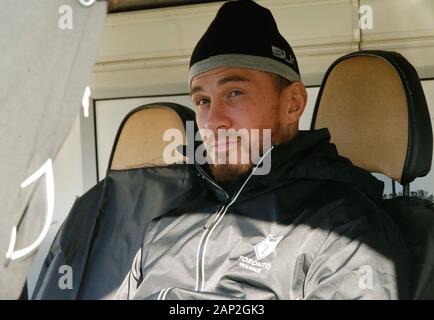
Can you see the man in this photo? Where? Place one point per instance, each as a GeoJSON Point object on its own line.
{"type": "Point", "coordinates": [308, 229]}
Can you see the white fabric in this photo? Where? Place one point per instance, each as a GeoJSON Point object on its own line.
{"type": "Point", "coordinates": [43, 73]}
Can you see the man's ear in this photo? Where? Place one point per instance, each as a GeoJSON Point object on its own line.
{"type": "Point", "coordinates": [293, 99]}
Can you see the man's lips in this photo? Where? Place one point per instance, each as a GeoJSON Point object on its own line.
{"type": "Point", "coordinates": [224, 145]}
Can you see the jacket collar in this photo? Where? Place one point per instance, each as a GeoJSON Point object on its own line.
{"type": "Point", "coordinates": [309, 155]}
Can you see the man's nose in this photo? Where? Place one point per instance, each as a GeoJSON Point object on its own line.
{"type": "Point", "coordinates": [218, 116]}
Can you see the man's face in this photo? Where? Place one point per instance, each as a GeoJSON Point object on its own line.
{"type": "Point", "coordinates": [234, 99]}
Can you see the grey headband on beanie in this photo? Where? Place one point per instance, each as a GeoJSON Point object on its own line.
{"type": "Point", "coordinates": [243, 61]}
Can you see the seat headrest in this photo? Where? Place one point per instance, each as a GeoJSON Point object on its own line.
{"type": "Point", "coordinates": [375, 108]}
{"type": "Point", "coordinates": [139, 142]}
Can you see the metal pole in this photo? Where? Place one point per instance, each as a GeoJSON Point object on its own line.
{"type": "Point", "coordinates": [406, 190]}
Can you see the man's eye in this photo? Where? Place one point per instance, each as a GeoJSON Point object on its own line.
{"type": "Point", "coordinates": [202, 101]}
{"type": "Point", "coordinates": [235, 93]}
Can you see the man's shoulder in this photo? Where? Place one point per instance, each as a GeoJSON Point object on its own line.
{"type": "Point", "coordinates": [340, 206]}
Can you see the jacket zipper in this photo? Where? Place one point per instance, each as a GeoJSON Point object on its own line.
{"type": "Point", "coordinates": [205, 176]}
{"type": "Point", "coordinates": [212, 219]}
{"type": "Point", "coordinates": [208, 228]}
{"type": "Point", "coordinates": [212, 222]}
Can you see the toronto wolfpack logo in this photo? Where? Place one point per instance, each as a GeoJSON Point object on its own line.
{"type": "Point", "coordinates": [264, 248]}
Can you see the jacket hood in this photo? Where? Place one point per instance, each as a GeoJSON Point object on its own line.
{"type": "Point", "coordinates": [311, 155]}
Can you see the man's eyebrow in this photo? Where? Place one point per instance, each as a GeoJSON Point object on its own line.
{"type": "Point", "coordinates": [232, 78]}
{"type": "Point", "coordinates": [195, 89]}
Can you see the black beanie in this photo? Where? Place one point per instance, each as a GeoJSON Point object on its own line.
{"type": "Point", "coordinates": [245, 35]}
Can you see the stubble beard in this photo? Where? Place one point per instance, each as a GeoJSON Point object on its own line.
{"type": "Point", "coordinates": [232, 172]}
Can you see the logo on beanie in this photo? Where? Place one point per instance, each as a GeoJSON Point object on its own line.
{"type": "Point", "coordinates": [281, 54]}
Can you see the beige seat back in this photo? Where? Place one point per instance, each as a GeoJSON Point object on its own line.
{"type": "Point", "coordinates": [375, 109]}
{"type": "Point", "coordinates": [140, 141]}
